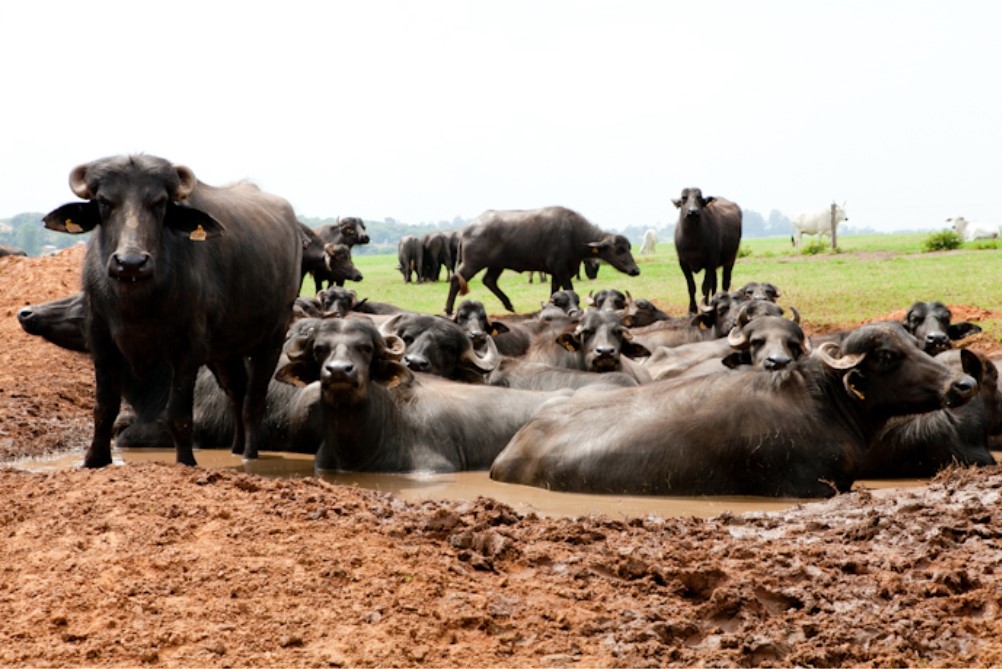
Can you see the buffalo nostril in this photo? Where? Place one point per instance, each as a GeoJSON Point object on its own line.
{"type": "Point", "coordinates": [605, 350]}
{"type": "Point", "coordinates": [418, 363]}
{"type": "Point", "coordinates": [774, 362]}
{"type": "Point", "coordinates": [24, 314]}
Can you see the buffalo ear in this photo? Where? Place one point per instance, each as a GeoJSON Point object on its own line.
{"type": "Point", "coordinates": [855, 384]}
{"type": "Point", "coordinates": [962, 329]}
{"type": "Point", "coordinates": [709, 200]}
{"type": "Point", "coordinates": [677, 203]}
{"type": "Point", "coordinates": [971, 363]}
{"type": "Point", "coordinates": [391, 373]}
{"type": "Point", "coordinates": [569, 342]}
{"type": "Point", "coordinates": [198, 224]}
{"type": "Point", "coordinates": [736, 359]}
{"type": "Point", "coordinates": [497, 327]}
{"type": "Point", "coordinates": [73, 218]}
{"type": "Point", "coordinates": [297, 373]}
{"type": "Point", "coordinates": [631, 350]}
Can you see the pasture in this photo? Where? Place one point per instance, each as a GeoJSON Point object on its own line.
{"type": "Point", "coordinates": [869, 277]}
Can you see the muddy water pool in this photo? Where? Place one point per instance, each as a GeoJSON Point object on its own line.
{"type": "Point", "coordinates": [462, 485]}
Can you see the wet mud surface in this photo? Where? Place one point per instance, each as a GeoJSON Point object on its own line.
{"type": "Point", "coordinates": [163, 565]}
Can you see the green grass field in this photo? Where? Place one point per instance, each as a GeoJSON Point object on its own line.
{"type": "Point", "coordinates": [870, 276]}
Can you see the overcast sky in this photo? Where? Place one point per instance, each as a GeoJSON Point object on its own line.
{"type": "Point", "coordinates": [430, 109]}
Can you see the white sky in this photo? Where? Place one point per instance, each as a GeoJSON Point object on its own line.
{"type": "Point", "coordinates": [429, 109]}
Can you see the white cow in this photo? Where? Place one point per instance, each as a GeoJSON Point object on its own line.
{"type": "Point", "coordinates": [817, 223]}
{"type": "Point", "coordinates": [650, 239]}
{"type": "Point", "coordinates": [972, 230]}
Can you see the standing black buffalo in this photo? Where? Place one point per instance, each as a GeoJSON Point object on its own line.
{"type": "Point", "coordinates": [553, 240]}
{"type": "Point", "coordinates": [326, 261]}
{"type": "Point", "coordinates": [707, 236]}
{"type": "Point", "coordinates": [166, 275]}
{"type": "Point", "coordinates": [410, 254]}
{"type": "Point", "coordinates": [437, 254]}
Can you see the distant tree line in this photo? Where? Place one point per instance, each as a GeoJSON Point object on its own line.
{"type": "Point", "coordinates": [25, 231]}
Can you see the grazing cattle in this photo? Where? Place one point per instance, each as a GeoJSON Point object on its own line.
{"type": "Point", "coordinates": [759, 290]}
{"type": "Point", "coordinates": [165, 277]}
{"type": "Point", "coordinates": [378, 415]}
{"type": "Point", "coordinates": [410, 253]}
{"type": "Point", "coordinates": [922, 444]}
{"type": "Point", "coordinates": [707, 236]}
{"type": "Point", "coordinates": [609, 299]}
{"type": "Point", "coordinates": [801, 432]}
{"type": "Point", "coordinates": [650, 242]}
{"type": "Point", "coordinates": [597, 344]}
{"type": "Point", "coordinates": [437, 255]}
{"type": "Point", "coordinates": [439, 346]}
{"type": "Point", "coordinates": [973, 230]}
{"type": "Point", "coordinates": [930, 323]}
{"type": "Point", "coordinates": [554, 240]}
{"type": "Point", "coordinates": [816, 223]}
{"type": "Point", "coordinates": [61, 321]}
{"type": "Point", "coordinates": [10, 251]}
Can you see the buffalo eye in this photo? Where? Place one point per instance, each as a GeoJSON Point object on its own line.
{"type": "Point", "coordinates": [159, 204]}
{"type": "Point", "coordinates": [643, 304]}
{"type": "Point", "coordinates": [105, 205]}
{"type": "Point", "coordinates": [408, 339]}
{"type": "Point", "coordinates": [886, 357]}
{"type": "Point", "coordinates": [365, 349]}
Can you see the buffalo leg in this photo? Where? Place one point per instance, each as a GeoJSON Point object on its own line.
{"type": "Point", "coordinates": [690, 283]}
{"type": "Point", "coordinates": [491, 281]}
{"type": "Point", "coordinates": [456, 285]}
{"type": "Point", "coordinates": [260, 370]}
{"type": "Point", "coordinates": [709, 283]}
{"type": "Point", "coordinates": [180, 407]}
{"type": "Point", "coordinates": [725, 278]}
{"type": "Point", "coordinates": [232, 378]}
{"type": "Point", "coordinates": [107, 402]}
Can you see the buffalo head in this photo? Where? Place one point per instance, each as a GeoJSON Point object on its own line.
{"type": "Point", "coordinates": [930, 323]}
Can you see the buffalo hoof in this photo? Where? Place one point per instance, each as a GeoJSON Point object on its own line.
{"type": "Point", "coordinates": [186, 459]}
{"type": "Point", "coordinates": [96, 462]}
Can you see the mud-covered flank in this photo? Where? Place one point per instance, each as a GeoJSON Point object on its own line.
{"type": "Point", "coordinates": [163, 565]}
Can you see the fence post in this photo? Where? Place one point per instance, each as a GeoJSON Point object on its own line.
{"type": "Point", "coordinates": [834, 226]}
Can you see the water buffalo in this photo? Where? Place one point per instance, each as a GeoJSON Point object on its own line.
{"type": "Point", "coordinates": [165, 277]}
{"type": "Point", "coordinates": [922, 444]}
{"type": "Point", "coordinates": [801, 432]}
{"type": "Point", "coordinates": [760, 290]}
{"type": "Point", "coordinates": [707, 236]}
{"type": "Point", "coordinates": [58, 321]}
{"type": "Point", "coordinates": [609, 299]}
{"type": "Point", "coordinates": [638, 313]}
{"type": "Point", "coordinates": [597, 344]}
{"type": "Point", "coordinates": [554, 240]}
{"type": "Point", "coordinates": [439, 346]}
{"type": "Point", "coordinates": [380, 416]}
{"type": "Point", "coordinates": [410, 254]}
{"type": "Point", "coordinates": [930, 323]}
{"type": "Point", "coordinates": [511, 339]}
{"type": "Point", "coordinates": [515, 373]}
{"type": "Point", "coordinates": [349, 231]}
{"type": "Point", "coordinates": [437, 254]}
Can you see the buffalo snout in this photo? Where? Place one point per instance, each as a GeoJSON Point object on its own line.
{"type": "Point", "coordinates": [131, 266]}
{"type": "Point", "coordinates": [634, 272]}
{"type": "Point", "coordinates": [417, 362]}
{"type": "Point", "coordinates": [340, 371]}
{"type": "Point", "coordinates": [936, 342]}
{"type": "Point", "coordinates": [777, 362]}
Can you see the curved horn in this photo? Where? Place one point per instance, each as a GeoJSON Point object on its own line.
{"type": "Point", "coordinates": [590, 301]}
{"type": "Point", "coordinates": [187, 178]}
{"type": "Point", "coordinates": [826, 352]}
{"type": "Point", "coordinates": [705, 306]}
{"type": "Point", "coordinates": [743, 317]}
{"type": "Point", "coordinates": [389, 326]}
{"type": "Point", "coordinates": [629, 298]}
{"type": "Point", "coordinates": [393, 348]}
{"type": "Point", "coordinates": [486, 362]}
{"type": "Point", "coordinates": [736, 338]}
{"type": "Point", "coordinates": [78, 182]}
{"type": "Point", "coordinates": [796, 315]}
{"type": "Point", "coordinates": [300, 346]}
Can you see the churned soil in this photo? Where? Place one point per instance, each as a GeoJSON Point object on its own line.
{"type": "Point", "coordinates": [164, 565]}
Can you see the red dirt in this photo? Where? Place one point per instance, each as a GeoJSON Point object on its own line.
{"type": "Point", "coordinates": [165, 565]}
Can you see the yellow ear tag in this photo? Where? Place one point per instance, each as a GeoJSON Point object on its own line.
{"type": "Point", "coordinates": [198, 234]}
{"type": "Point", "coordinates": [72, 227]}
{"type": "Point", "coordinates": [594, 250]}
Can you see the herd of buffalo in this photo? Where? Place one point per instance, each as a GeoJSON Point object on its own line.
{"type": "Point", "coordinates": [620, 397]}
